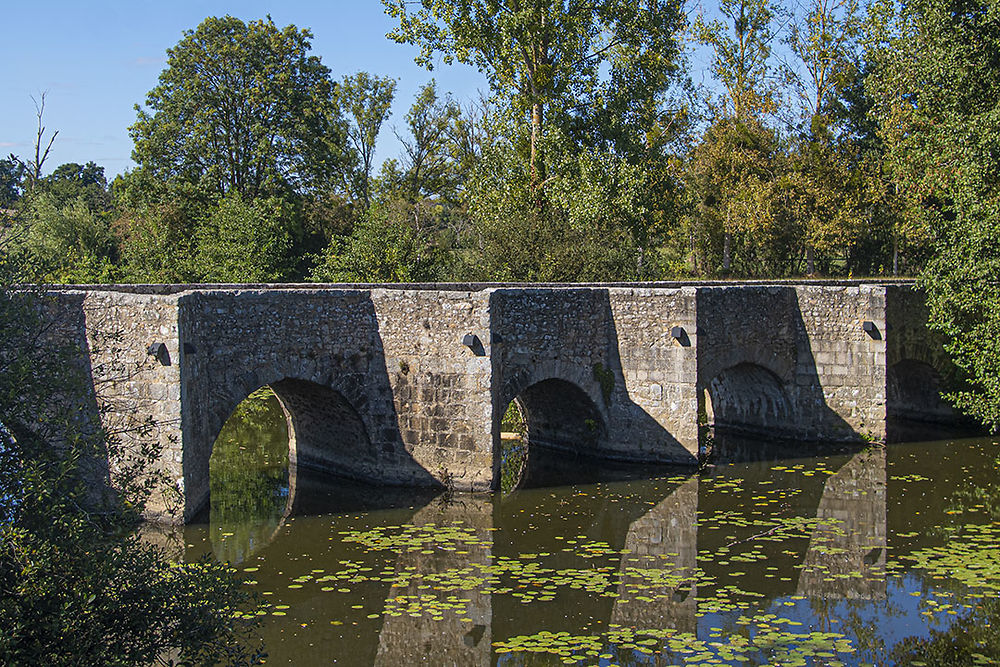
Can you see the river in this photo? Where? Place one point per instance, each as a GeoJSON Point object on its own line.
{"type": "Point", "coordinates": [876, 555]}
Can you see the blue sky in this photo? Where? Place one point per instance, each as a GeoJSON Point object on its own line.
{"type": "Point", "coordinates": [97, 59]}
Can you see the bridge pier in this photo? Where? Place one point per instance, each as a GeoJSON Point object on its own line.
{"type": "Point", "coordinates": [407, 384]}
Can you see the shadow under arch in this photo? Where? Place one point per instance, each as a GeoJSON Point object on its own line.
{"type": "Point", "coordinates": [599, 341]}
{"type": "Point", "coordinates": [747, 398]}
{"type": "Point", "coordinates": [915, 408]}
{"type": "Point", "coordinates": [913, 392]}
{"type": "Point", "coordinates": [556, 415]}
{"type": "Point", "coordinates": [326, 434]}
{"type": "Point", "coordinates": [561, 415]}
{"type": "Point", "coordinates": [758, 365]}
{"type": "Point", "coordinates": [918, 370]}
{"type": "Point", "coordinates": [258, 482]}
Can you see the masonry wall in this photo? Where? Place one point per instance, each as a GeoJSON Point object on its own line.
{"type": "Point", "coordinates": [842, 360]}
{"type": "Point", "coordinates": [615, 346]}
{"type": "Point", "coordinates": [811, 340]}
{"type": "Point", "coordinates": [376, 384]}
{"type": "Point", "coordinates": [441, 388]}
{"type": "Point", "coordinates": [136, 395]}
{"type": "Point", "coordinates": [653, 406]}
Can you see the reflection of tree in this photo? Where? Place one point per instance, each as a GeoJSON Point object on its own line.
{"type": "Point", "coordinates": [971, 640]}
{"type": "Point", "coordinates": [513, 456]}
{"type": "Point", "coordinates": [249, 476]}
{"type": "Point", "coordinates": [964, 520]}
{"type": "Point", "coordinates": [513, 451]}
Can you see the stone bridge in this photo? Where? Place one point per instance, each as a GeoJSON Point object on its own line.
{"type": "Point", "coordinates": [408, 384]}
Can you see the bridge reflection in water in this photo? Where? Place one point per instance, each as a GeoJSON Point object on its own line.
{"type": "Point", "coordinates": [362, 575]}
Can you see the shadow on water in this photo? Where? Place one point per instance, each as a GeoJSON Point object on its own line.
{"type": "Point", "coordinates": [546, 467]}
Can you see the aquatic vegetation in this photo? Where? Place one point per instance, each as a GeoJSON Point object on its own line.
{"type": "Point", "coordinates": [793, 562]}
{"type": "Point", "coordinates": [765, 641]}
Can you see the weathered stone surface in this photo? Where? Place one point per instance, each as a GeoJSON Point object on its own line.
{"type": "Point", "coordinates": [408, 384]}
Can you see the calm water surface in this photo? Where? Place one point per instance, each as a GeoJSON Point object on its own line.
{"type": "Point", "coordinates": [874, 556]}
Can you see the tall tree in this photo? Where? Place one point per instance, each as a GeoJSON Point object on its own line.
{"type": "Point", "coordinates": [538, 54]}
{"type": "Point", "coordinates": [426, 147]}
{"type": "Point", "coordinates": [936, 86]}
{"type": "Point", "coordinates": [366, 101]}
{"type": "Point", "coordinates": [734, 174]}
{"type": "Point", "coordinates": [241, 107]}
{"type": "Point", "coordinates": [741, 60]}
{"type": "Point", "coordinates": [741, 54]}
{"type": "Point", "coordinates": [823, 42]}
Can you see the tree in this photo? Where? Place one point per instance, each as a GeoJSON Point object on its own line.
{"type": "Point", "coordinates": [579, 233]}
{"type": "Point", "coordinates": [741, 61]}
{"type": "Point", "coordinates": [72, 181]}
{"type": "Point", "coordinates": [541, 55]}
{"type": "Point", "coordinates": [826, 194]}
{"type": "Point", "coordinates": [77, 584]}
{"type": "Point", "coordinates": [244, 242]}
{"type": "Point", "coordinates": [157, 223]}
{"type": "Point", "coordinates": [427, 162]}
{"type": "Point", "coordinates": [936, 89]}
{"type": "Point", "coordinates": [69, 242]}
{"type": "Point", "coordinates": [735, 176]}
{"type": "Point", "coordinates": [33, 168]}
{"type": "Point", "coordinates": [382, 248]}
{"type": "Point", "coordinates": [366, 100]}
{"type": "Point", "coordinates": [241, 107]}
{"type": "Point", "coordinates": [823, 42]}
{"type": "Point", "coordinates": [12, 175]}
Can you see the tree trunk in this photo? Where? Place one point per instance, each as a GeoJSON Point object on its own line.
{"type": "Point", "coordinates": [536, 135]}
{"type": "Point", "coordinates": [726, 251]}
{"type": "Point", "coordinates": [694, 256]}
{"type": "Point", "coordinates": [810, 261]}
{"type": "Point", "coordinates": [895, 257]}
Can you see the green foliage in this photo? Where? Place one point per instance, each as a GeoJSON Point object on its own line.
{"type": "Point", "coordinates": [241, 107]}
{"type": "Point", "coordinates": [741, 46]}
{"type": "Point", "coordinates": [576, 229]}
{"type": "Point", "coordinates": [72, 181]}
{"type": "Point", "coordinates": [428, 169]}
{"type": "Point", "coordinates": [734, 175]}
{"type": "Point", "coordinates": [12, 176]}
{"type": "Point", "coordinates": [542, 57]}
{"type": "Point", "coordinates": [366, 101]}
{"type": "Point", "coordinates": [382, 247]}
{"type": "Point", "coordinates": [70, 242]}
{"type": "Point", "coordinates": [606, 379]}
{"type": "Point", "coordinates": [244, 241]}
{"type": "Point", "coordinates": [936, 89]}
{"type": "Point", "coordinates": [77, 584]}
